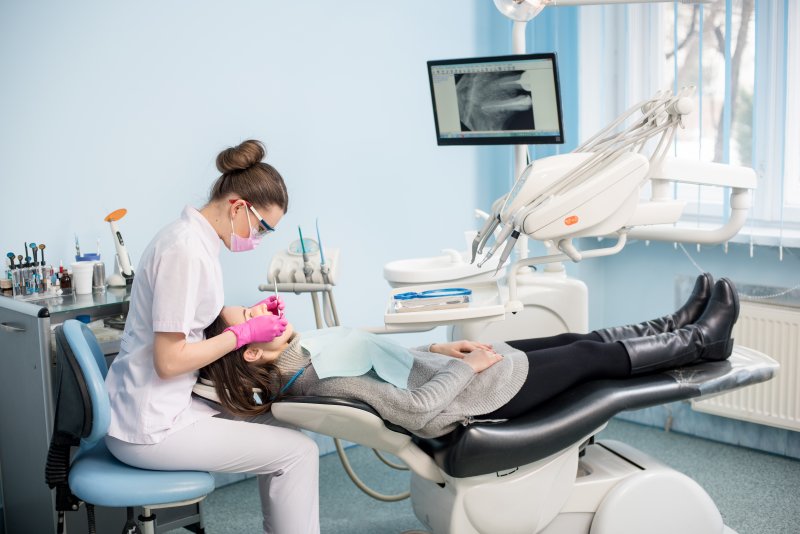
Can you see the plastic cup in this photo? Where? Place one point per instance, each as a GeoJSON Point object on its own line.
{"type": "Point", "coordinates": [82, 272]}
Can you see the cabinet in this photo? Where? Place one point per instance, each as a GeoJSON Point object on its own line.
{"type": "Point", "coordinates": [26, 402]}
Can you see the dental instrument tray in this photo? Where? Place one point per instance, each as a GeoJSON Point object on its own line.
{"type": "Point", "coordinates": [432, 299]}
{"type": "Point", "coordinates": [432, 305]}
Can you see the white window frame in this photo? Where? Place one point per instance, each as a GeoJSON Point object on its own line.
{"type": "Point", "coordinates": [625, 39]}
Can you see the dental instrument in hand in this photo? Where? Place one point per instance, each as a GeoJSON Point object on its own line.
{"type": "Point", "coordinates": [277, 298]}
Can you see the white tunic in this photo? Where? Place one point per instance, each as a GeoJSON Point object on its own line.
{"type": "Point", "coordinates": [177, 288]}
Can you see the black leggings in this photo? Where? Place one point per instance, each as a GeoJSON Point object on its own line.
{"type": "Point", "coordinates": [557, 363]}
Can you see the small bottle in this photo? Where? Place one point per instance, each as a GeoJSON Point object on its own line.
{"type": "Point", "coordinates": [66, 280]}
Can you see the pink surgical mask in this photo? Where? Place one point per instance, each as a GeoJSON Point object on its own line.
{"type": "Point", "coordinates": [243, 244]}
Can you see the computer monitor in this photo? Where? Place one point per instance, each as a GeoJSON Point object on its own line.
{"type": "Point", "coordinates": [499, 100]}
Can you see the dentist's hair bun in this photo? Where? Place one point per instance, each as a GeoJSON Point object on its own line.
{"type": "Point", "coordinates": [241, 157]}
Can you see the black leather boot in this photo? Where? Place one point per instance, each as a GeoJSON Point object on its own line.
{"type": "Point", "coordinates": [686, 314]}
{"type": "Point", "coordinates": [708, 338]}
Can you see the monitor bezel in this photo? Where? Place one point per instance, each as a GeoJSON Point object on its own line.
{"type": "Point", "coordinates": [516, 140]}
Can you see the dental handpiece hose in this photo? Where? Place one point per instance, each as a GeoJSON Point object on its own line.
{"type": "Point", "coordinates": [326, 278]}
{"type": "Point", "coordinates": [325, 270]}
{"type": "Point", "coordinates": [308, 270]}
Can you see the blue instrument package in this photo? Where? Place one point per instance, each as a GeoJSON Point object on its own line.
{"type": "Point", "coordinates": [432, 299]}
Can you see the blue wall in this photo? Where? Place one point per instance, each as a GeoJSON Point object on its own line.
{"type": "Point", "coordinates": [109, 104]}
{"type": "Point", "coordinates": [553, 30]}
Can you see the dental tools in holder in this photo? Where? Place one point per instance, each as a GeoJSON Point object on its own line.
{"type": "Point", "coordinates": [28, 277]}
{"type": "Point", "coordinates": [306, 267]}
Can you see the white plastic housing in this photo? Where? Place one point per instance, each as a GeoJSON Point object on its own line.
{"type": "Point", "coordinates": [600, 205]}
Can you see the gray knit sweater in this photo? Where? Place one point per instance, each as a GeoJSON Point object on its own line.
{"type": "Point", "coordinates": [442, 391]}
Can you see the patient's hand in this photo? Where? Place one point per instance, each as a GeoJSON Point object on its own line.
{"type": "Point", "coordinates": [458, 349]}
{"type": "Point", "coordinates": [481, 359]}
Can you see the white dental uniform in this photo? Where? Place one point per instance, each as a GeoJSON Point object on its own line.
{"type": "Point", "coordinates": [177, 288]}
{"type": "Point", "coordinates": [157, 424]}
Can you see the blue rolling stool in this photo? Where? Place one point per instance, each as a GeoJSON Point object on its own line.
{"type": "Point", "coordinates": [95, 477]}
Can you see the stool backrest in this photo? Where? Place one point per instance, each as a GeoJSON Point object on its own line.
{"type": "Point", "coordinates": [82, 349]}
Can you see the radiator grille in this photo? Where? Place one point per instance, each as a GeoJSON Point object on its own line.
{"type": "Point", "coordinates": [775, 331]}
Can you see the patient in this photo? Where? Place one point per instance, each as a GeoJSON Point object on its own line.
{"type": "Point", "coordinates": [449, 383]}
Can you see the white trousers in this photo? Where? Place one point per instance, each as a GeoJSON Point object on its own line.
{"type": "Point", "coordinates": [286, 462]}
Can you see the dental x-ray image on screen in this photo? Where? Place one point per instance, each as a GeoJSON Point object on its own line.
{"type": "Point", "coordinates": [496, 100]}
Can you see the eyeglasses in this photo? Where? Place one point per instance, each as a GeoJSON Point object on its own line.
{"type": "Point", "coordinates": [263, 228]}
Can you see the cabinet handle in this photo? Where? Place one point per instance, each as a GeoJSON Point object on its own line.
{"type": "Point", "coordinates": [11, 328]}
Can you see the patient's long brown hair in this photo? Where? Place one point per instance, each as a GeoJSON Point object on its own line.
{"type": "Point", "coordinates": [234, 378]}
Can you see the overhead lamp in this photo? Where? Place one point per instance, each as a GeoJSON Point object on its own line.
{"type": "Point", "coordinates": [520, 10]}
{"type": "Point", "coordinates": [525, 10]}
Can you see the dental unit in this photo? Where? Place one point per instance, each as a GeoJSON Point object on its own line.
{"type": "Point", "coordinates": [544, 472]}
{"type": "Point", "coordinates": [574, 195]}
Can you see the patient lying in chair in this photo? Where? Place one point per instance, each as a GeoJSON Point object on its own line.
{"type": "Point", "coordinates": [430, 390]}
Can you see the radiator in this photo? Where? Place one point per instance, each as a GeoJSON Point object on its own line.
{"type": "Point", "coordinates": [775, 331]}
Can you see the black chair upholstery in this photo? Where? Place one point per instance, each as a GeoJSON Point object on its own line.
{"type": "Point", "coordinates": [486, 447]}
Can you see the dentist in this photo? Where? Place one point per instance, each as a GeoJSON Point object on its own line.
{"type": "Point", "coordinates": [177, 293]}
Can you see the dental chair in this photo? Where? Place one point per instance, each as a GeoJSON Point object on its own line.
{"type": "Point", "coordinates": [93, 476]}
{"type": "Point", "coordinates": [544, 472]}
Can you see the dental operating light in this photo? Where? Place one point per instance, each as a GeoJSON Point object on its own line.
{"type": "Point", "coordinates": [525, 10]}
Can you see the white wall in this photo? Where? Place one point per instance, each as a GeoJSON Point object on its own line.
{"type": "Point", "coordinates": [109, 104]}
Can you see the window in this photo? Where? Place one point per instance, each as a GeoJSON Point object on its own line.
{"type": "Point", "coordinates": [743, 58]}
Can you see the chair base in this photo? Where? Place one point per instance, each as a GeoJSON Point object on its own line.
{"type": "Point", "coordinates": [618, 490]}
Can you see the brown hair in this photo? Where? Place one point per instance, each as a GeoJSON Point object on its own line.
{"type": "Point", "coordinates": [234, 378]}
{"type": "Point", "coordinates": [245, 175]}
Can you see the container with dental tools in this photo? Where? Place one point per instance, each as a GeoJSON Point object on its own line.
{"type": "Point", "coordinates": [27, 283]}
{"type": "Point", "coordinates": [28, 276]}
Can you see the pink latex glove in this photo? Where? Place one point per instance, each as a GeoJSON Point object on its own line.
{"type": "Point", "coordinates": [275, 305]}
{"type": "Point", "coordinates": [261, 329]}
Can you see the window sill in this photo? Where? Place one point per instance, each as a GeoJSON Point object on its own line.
{"type": "Point", "coordinates": [763, 236]}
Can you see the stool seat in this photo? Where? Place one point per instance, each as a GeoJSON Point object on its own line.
{"type": "Point", "coordinates": [97, 477]}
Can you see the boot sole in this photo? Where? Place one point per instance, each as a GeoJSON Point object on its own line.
{"type": "Point", "coordinates": [709, 351]}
